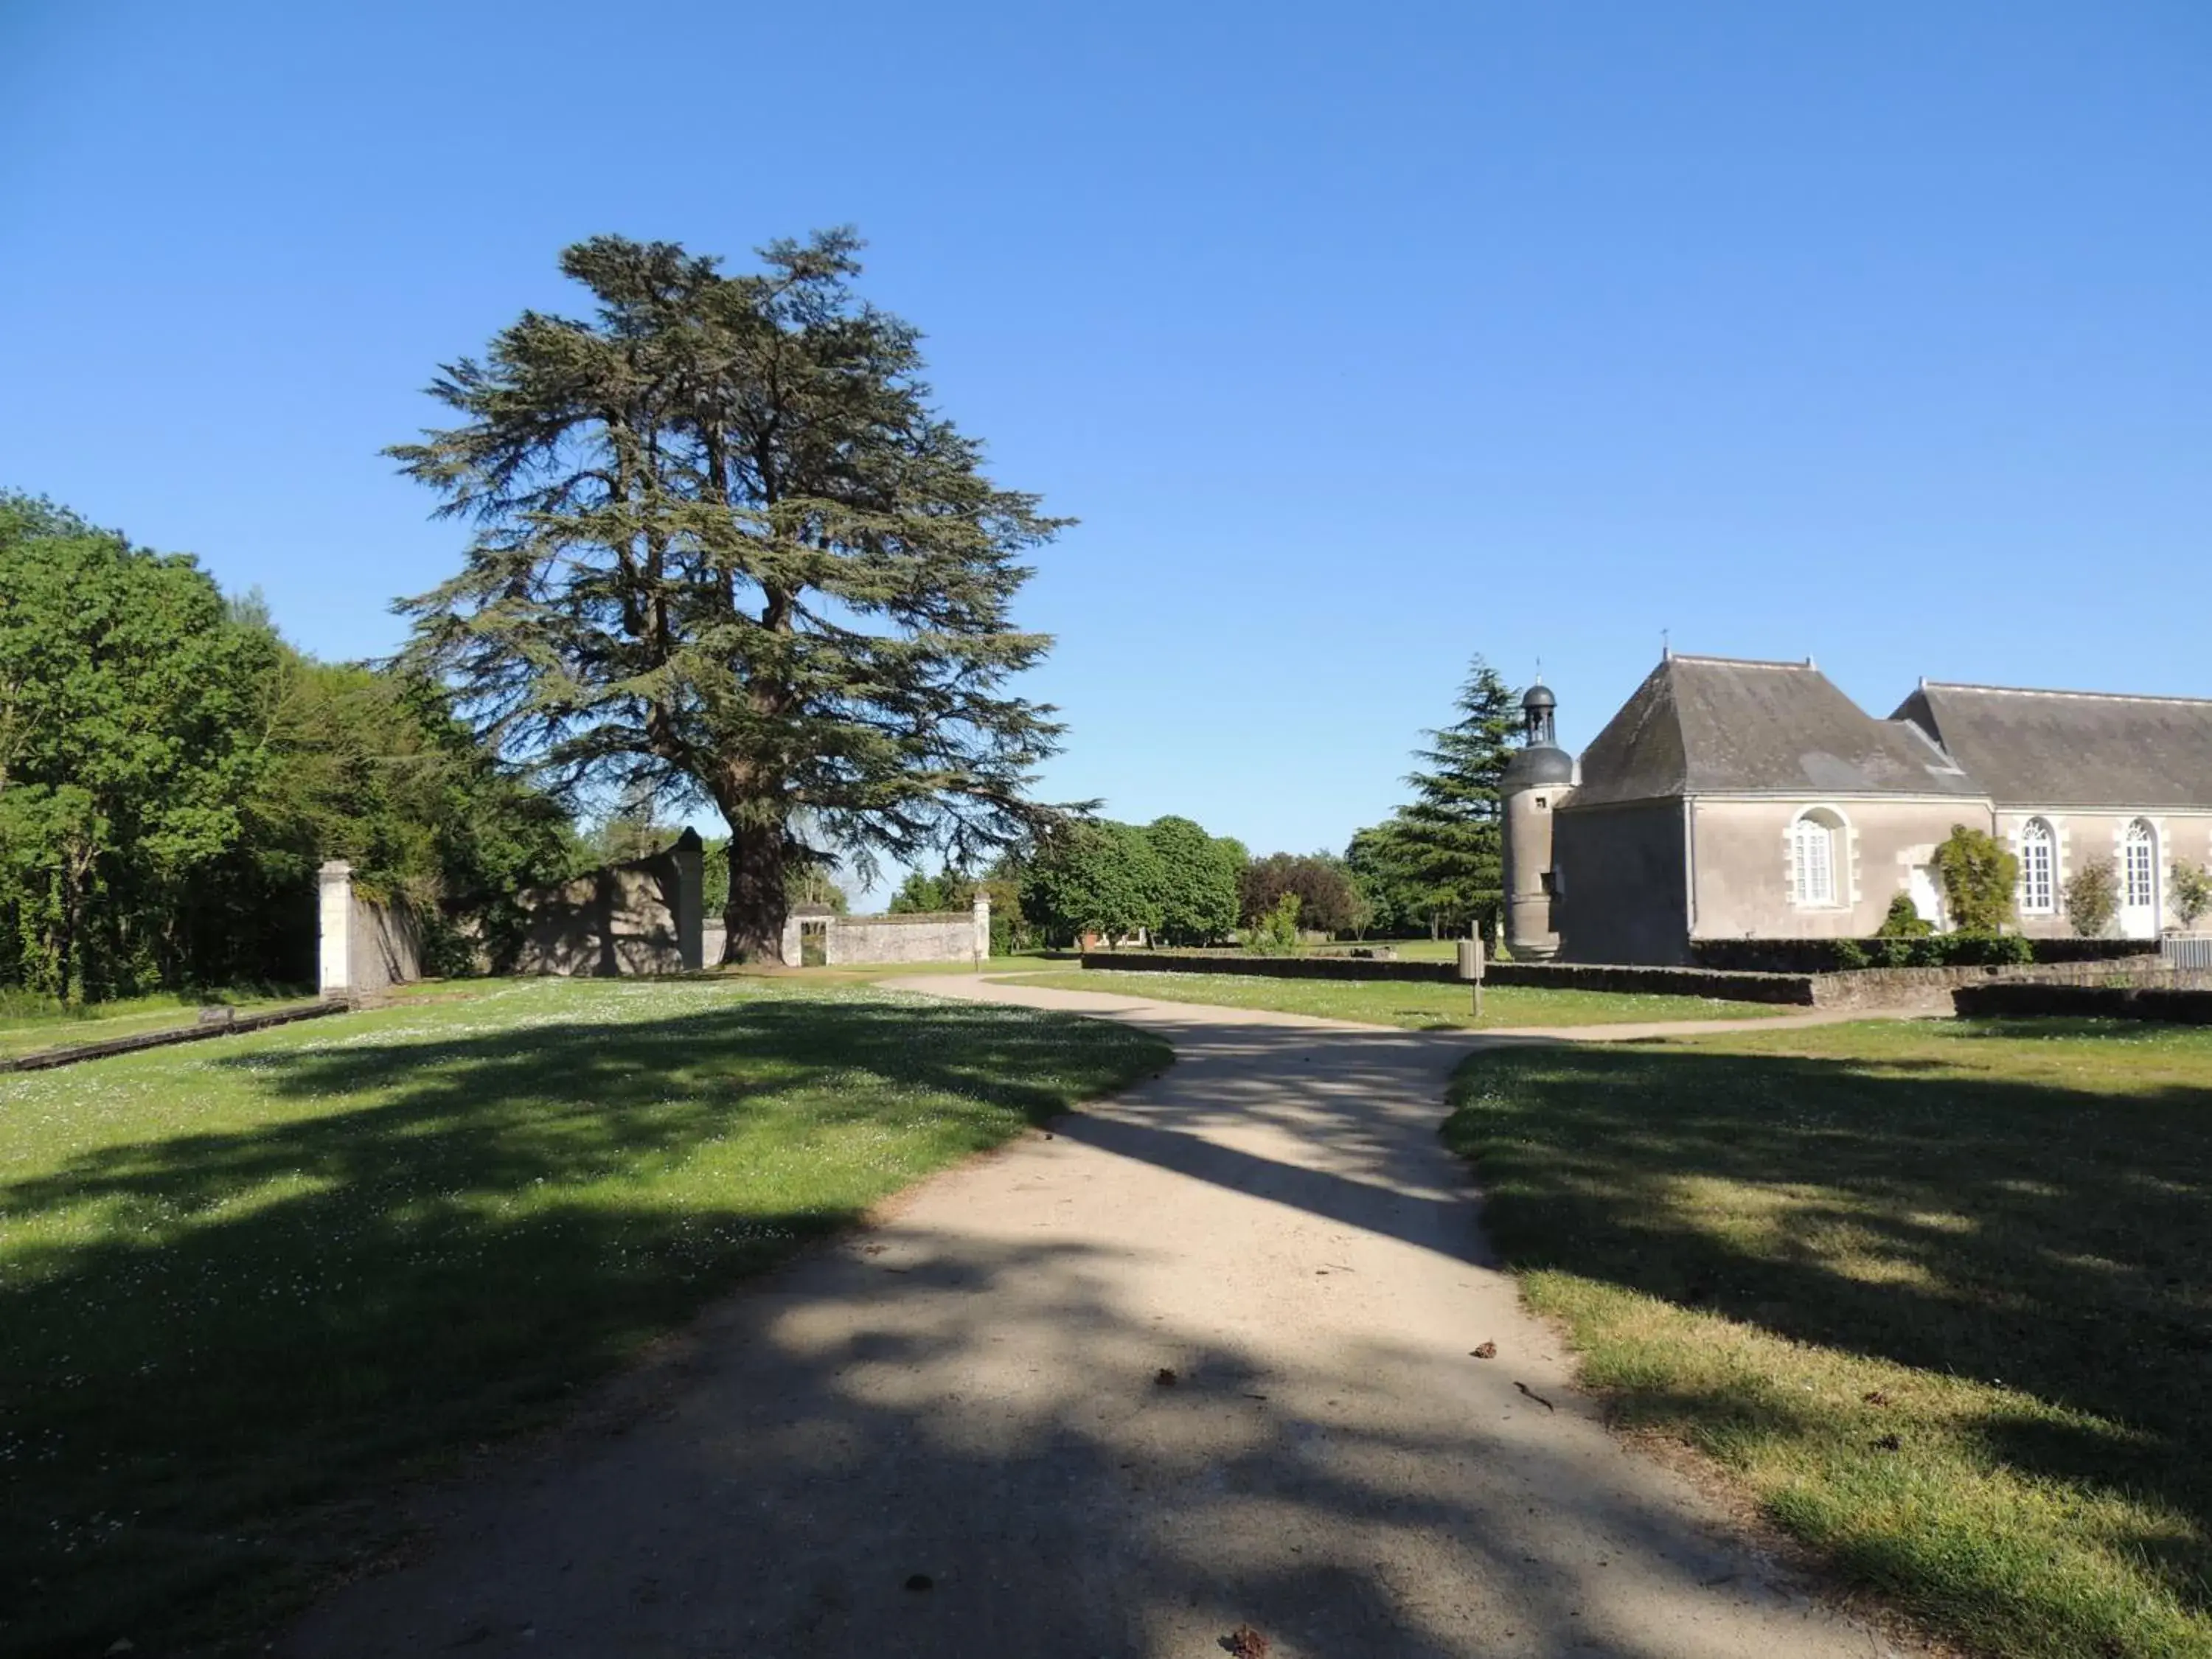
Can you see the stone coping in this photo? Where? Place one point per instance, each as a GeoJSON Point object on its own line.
{"type": "Point", "coordinates": [46, 1060]}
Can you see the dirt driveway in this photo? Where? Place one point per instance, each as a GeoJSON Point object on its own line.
{"type": "Point", "coordinates": [1198, 1359]}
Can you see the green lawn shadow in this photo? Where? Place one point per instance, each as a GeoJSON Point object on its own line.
{"type": "Point", "coordinates": [267, 1319]}
{"type": "Point", "coordinates": [2052, 1240]}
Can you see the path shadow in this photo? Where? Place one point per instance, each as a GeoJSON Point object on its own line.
{"type": "Point", "coordinates": [986, 1417]}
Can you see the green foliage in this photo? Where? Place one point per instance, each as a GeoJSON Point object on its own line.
{"type": "Point", "coordinates": [1387, 865]}
{"type": "Point", "coordinates": [1327, 901]}
{"type": "Point", "coordinates": [1093, 876]}
{"type": "Point", "coordinates": [2006, 950]}
{"type": "Point", "coordinates": [1933, 950]}
{"type": "Point", "coordinates": [172, 773]}
{"type": "Point", "coordinates": [1903, 920]}
{"type": "Point", "coordinates": [2093, 898]}
{"type": "Point", "coordinates": [373, 768]}
{"type": "Point", "coordinates": [127, 741]}
{"type": "Point", "coordinates": [1979, 875]}
{"type": "Point", "coordinates": [1199, 874]}
{"type": "Point", "coordinates": [923, 895]}
{"type": "Point", "coordinates": [1275, 932]}
{"type": "Point", "coordinates": [2188, 888]}
{"type": "Point", "coordinates": [726, 548]}
{"type": "Point", "coordinates": [1438, 863]}
{"type": "Point", "coordinates": [1454, 826]}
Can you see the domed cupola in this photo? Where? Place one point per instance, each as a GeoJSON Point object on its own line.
{"type": "Point", "coordinates": [1540, 760]}
{"type": "Point", "coordinates": [1539, 780]}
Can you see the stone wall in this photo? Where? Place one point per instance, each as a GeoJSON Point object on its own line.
{"type": "Point", "coordinates": [363, 945]}
{"type": "Point", "coordinates": [1868, 987]}
{"type": "Point", "coordinates": [1793, 988]}
{"type": "Point", "coordinates": [641, 917]}
{"type": "Point", "coordinates": [1818, 956]}
{"type": "Point", "coordinates": [931, 936]}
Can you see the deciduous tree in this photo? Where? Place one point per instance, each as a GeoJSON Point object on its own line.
{"type": "Point", "coordinates": [1198, 881]}
{"type": "Point", "coordinates": [127, 743]}
{"type": "Point", "coordinates": [1327, 899]}
{"type": "Point", "coordinates": [1093, 877]}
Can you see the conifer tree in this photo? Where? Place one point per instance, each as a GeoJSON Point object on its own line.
{"type": "Point", "coordinates": [1452, 832]}
{"type": "Point", "coordinates": [725, 547]}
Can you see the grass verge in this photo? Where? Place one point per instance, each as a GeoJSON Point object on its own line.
{"type": "Point", "coordinates": [1411, 1004]}
{"type": "Point", "coordinates": [29, 1024]}
{"type": "Point", "coordinates": [242, 1280]}
{"type": "Point", "coordinates": [1936, 1295]}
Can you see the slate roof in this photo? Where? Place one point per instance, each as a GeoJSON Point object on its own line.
{"type": "Point", "coordinates": [2084, 749]}
{"type": "Point", "coordinates": [1722, 726]}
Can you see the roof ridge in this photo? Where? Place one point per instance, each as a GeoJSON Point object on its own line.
{"type": "Point", "coordinates": [1740, 662]}
{"type": "Point", "coordinates": [2047, 692]}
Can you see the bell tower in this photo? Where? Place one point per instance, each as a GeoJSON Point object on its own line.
{"type": "Point", "coordinates": [1538, 782]}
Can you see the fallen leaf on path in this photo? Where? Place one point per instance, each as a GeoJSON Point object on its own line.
{"type": "Point", "coordinates": [1166, 1377]}
{"type": "Point", "coordinates": [1245, 1643]}
{"type": "Point", "coordinates": [1487, 1351]}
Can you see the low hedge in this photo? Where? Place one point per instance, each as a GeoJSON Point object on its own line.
{"type": "Point", "coordinates": [2028, 1000]}
{"type": "Point", "coordinates": [1830, 956]}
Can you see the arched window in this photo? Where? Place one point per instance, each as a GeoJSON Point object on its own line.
{"type": "Point", "coordinates": [2038, 863]}
{"type": "Point", "coordinates": [1816, 859]}
{"type": "Point", "coordinates": [2139, 869]}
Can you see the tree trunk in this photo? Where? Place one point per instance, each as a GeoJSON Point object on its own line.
{"type": "Point", "coordinates": [753, 918]}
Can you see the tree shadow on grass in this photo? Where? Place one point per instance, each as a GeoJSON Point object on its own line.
{"type": "Point", "coordinates": [208, 1330]}
{"type": "Point", "coordinates": [2051, 1239]}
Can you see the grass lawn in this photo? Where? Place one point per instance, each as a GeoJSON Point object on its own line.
{"type": "Point", "coordinates": [1939, 1296]}
{"type": "Point", "coordinates": [245, 1280]}
{"type": "Point", "coordinates": [30, 1024]}
{"type": "Point", "coordinates": [1417, 1006]}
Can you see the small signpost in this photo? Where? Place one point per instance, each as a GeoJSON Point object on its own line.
{"type": "Point", "coordinates": [1470, 968]}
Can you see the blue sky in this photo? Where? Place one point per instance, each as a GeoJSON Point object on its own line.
{"type": "Point", "coordinates": [1359, 339]}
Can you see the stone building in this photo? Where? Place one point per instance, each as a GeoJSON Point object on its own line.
{"type": "Point", "coordinates": [1736, 800]}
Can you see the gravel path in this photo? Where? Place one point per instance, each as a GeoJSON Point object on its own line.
{"type": "Point", "coordinates": [1197, 1360]}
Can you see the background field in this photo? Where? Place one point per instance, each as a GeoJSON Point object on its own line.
{"type": "Point", "coordinates": [243, 1279]}
{"type": "Point", "coordinates": [1935, 1294]}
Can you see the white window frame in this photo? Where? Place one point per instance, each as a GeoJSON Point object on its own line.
{"type": "Point", "coordinates": [2140, 837]}
{"type": "Point", "coordinates": [2039, 868]}
{"type": "Point", "coordinates": [1835, 831]}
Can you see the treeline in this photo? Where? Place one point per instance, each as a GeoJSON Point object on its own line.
{"type": "Point", "coordinates": [1434, 866]}
{"type": "Point", "coordinates": [1168, 880]}
{"type": "Point", "coordinates": [173, 772]}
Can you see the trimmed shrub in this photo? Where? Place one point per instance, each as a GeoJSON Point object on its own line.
{"type": "Point", "coordinates": [2093, 898]}
{"type": "Point", "coordinates": [1904, 920]}
{"type": "Point", "coordinates": [2190, 887]}
{"type": "Point", "coordinates": [1978, 876]}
